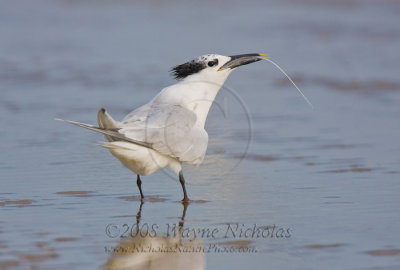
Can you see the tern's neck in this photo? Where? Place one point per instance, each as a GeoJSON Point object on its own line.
{"type": "Point", "coordinates": [195, 94]}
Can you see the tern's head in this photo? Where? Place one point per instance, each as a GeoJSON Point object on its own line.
{"type": "Point", "coordinates": [213, 67]}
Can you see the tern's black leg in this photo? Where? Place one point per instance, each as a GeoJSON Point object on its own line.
{"type": "Point", "coordinates": [182, 221]}
{"type": "Point", "coordinates": [139, 184]}
{"type": "Point", "coordinates": [182, 180]}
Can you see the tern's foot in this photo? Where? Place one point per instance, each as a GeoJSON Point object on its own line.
{"type": "Point", "coordinates": [185, 200]}
{"type": "Point", "coordinates": [141, 198]}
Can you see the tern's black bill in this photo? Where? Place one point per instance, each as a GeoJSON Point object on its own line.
{"type": "Point", "coordinates": [243, 59]}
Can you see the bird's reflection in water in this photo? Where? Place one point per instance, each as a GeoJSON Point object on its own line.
{"type": "Point", "coordinates": [148, 251]}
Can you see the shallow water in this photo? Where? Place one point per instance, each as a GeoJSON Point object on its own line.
{"type": "Point", "coordinates": [323, 182]}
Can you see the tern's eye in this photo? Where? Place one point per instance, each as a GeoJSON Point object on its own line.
{"type": "Point", "coordinates": [213, 63]}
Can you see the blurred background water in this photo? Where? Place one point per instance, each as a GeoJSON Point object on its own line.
{"type": "Point", "coordinates": [329, 174]}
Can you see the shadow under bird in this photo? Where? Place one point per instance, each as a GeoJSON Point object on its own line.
{"type": "Point", "coordinates": [169, 130]}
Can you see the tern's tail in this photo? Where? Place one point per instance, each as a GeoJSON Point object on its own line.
{"type": "Point", "coordinates": [109, 132]}
{"type": "Point", "coordinates": [105, 121]}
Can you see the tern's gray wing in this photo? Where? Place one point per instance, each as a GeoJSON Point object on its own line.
{"type": "Point", "coordinates": [170, 129]}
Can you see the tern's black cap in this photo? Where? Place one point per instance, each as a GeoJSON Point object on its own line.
{"type": "Point", "coordinates": [182, 71]}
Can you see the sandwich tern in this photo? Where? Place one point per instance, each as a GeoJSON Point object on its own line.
{"type": "Point", "coordinates": [169, 130]}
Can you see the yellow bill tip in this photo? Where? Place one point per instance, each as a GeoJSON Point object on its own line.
{"type": "Point", "coordinates": [264, 55]}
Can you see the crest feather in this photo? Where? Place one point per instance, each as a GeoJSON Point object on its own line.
{"type": "Point", "coordinates": [182, 71]}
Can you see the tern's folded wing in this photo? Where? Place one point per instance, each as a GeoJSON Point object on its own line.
{"type": "Point", "coordinates": [171, 130]}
